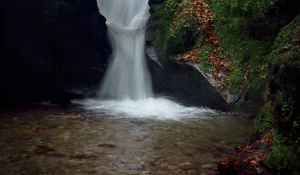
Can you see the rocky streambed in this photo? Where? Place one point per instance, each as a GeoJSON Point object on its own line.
{"type": "Point", "coordinates": [55, 140]}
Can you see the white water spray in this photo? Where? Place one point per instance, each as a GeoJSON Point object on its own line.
{"type": "Point", "coordinates": [127, 76]}
{"type": "Point", "coordinates": [126, 90]}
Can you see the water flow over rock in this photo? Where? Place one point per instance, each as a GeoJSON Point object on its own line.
{"type": "Point", "coordinates": [126, 90]}
{"type": "Point", "coordinates": [127, 76]}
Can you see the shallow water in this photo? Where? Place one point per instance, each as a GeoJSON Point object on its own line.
{"type": "Point", "coordinates": [53, 140]}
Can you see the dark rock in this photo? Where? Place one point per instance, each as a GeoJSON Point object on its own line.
{"type": "Point", "coordinates": [106, 145]}
{"type": "Point", "coordinates": [152, 2]}
{"type": "Point", "coordinates": [41, 149]}
{"type": "Point", "coordinates": [48, 47]}
{"type": "Point", "coordinates": [185, 84]}
{"type": "Point", "coordinates": [58, 50]}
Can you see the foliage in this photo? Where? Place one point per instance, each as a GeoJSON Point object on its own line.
{"type": "Point", "coordinates": [236, 24]}
{"type": "Point", "coordinates": [236, 77]}
{"type": "Point", "coordinates": [182, 35]}
{"type": "Point", "coordinates": [253, 8]}
{"type": "Point", "coordinates": [161, 19]}
{"type": "Point", "coordinates": [283, 100]}
{"type": "Point", "coordinates": [264, 121]}
{"type": "Point", "coordinates": [285, 49]}
{"type": "Point", "coordinates": [188, 33]}
{"type": "Point", "coordinates": [284, 156]}
{"type": "Point", "coordinates": [185, 3]}
{"type": "Point", "coordinates": [177, 35]}
{"type": "Point", "coordinates": [205, 65]}
{"type": "Point", "coordinates": [284, 64]}
{"type": "Point", "coordinates": [247, 159]}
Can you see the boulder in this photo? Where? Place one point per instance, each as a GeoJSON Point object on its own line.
{"type": "Point", "coordinates": [185, 84]}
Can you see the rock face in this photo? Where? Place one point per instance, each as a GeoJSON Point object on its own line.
{"type": "Point", "coordinates": [50, 47]}
{"type": "Point", "coordinates": [185, 83]}
{"type": "Point", "coordinates": [152, 2]}
{"type": "Point", "coordinates": [58, 49]}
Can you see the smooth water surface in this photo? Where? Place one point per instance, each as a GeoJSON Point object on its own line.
{"type": "Point", "coordinates": [52, 140]}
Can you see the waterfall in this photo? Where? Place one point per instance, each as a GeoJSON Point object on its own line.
{"type": "Point", "coordinates": [127, 76]}
{"type": "Point", "coordinates": [126, 89]}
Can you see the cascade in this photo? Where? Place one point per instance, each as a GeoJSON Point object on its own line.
{"type": "Point", "coordinates": [127, 76]}
{"type": "Point", "coordinates": [126, 90]}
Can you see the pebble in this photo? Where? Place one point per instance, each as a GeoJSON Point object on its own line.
{"type": "Point", "coordinates": [192, 172]}
{"type": "Point", "coordinates": [172, 167]}
{"type": "Point", "coordinates": [209, 166]}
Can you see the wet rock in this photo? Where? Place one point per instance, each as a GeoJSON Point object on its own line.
{"type": "Point", "coordinates": [4, 158]}
{"type": "Point", "coordinates": [190, 153]}
{"type": "Point", "coordinates": [106, 145]}
{"type": "Point", "coordinates": [192, 172]}
{"type": "Point", "coordinates": [145, 173]}
{"type": "Point", "coordinates": [179, 144]}
{"type": "Point", "coordinates": [25, 156]}
{"type": "Point", "coordinates": [157, 147]}
{"type": "Point", "coordinates": [83, 156]}
{"type": "Point", "coordinates": [74, 116]}
{"type": "Point", "coordinates": [132, 166]}
{"type": "Point", "coordinates": [172, 167]}
{"type": "Point", "coordinates": [42, 149]}
{"type": "Point", "coordinates": [141, 138]}
{"type": "Point", "coordinates": [15, 118]}
{"type": "Point", "coordinates": [186, 166]}
{"type": "Point", "coordinates": [73, 149]}
{"type": "Point", "coordinates": [209, 166]}
{"type": "Point", "coordinates": [193, 88]}
{"type": "Point", "coordinates": [56, 155]}
{"type": "Point", "coordinates": [248, 159]}
{"type": "Point", "coordinates": [152, 2]}
{"type": "Point", "coordinates": [31, 130]}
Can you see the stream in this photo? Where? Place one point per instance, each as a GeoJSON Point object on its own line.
{"type": "Point", "coordinates": [69, 141]}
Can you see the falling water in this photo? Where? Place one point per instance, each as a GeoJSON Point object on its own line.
{"type": "Point", "coordinates": [126, 90]}
{"type": "Point", "coordinates": [127, 76]}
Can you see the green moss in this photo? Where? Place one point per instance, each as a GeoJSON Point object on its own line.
{"type": "Point", "coordinates": [284, 157]}
{"type": "Point", "coordinates": [185, 3]}
{"type": "Point", "coordinates": [182, 35]}
{"type": "Point", "coordinates": [280, 156]}
{"type": "Point", "coordinates": [284, 64]}
{"type": "Point", "coordinates": [257, 64]}
{"type": "Point", "coordinates": [287, 106]}
{"type": "Point", "coordinates": [250, 8]}
{"type": "Point", "coordinates": [175, 35]}
{"type": "Point", "coordinates": [266, 72]}
{"type": "Point", "coordinates": [161, 18]}
{"type": "Point", "coordinates": [235, 77]}
{"type": "Point", "coordinates": [235, 24]}
{"type": "Point", "coordinates": [264, 121]}
{"type": "Point", "coordinates": [285, 49]}
{"type": "Point", "coordinates": [204, 63]}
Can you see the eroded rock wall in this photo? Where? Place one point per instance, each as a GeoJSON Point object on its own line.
{"type": "Point", "coordinates": [50, 48]}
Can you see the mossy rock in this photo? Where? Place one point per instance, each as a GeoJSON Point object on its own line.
{"type": "Point", "coordinates": [284, 63]}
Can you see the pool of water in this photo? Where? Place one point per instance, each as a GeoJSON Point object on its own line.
{"type": "Point", "coordinates": [73, 140]}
